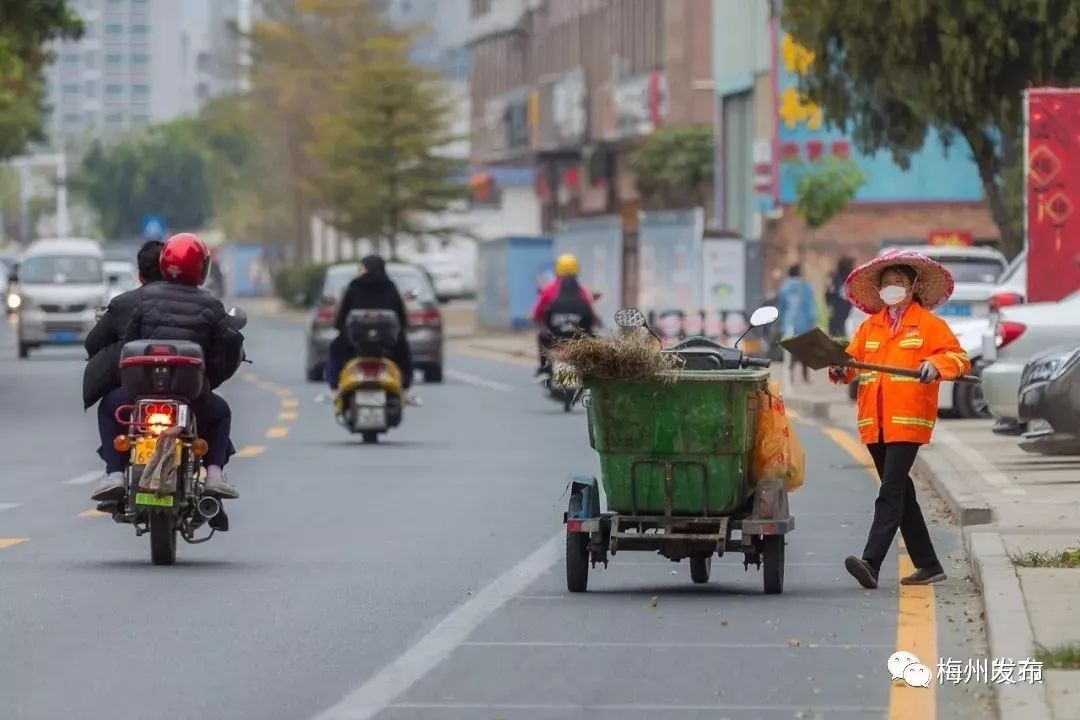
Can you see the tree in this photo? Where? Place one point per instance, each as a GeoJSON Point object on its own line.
{"type": "Point", "coordinates": [826, 189]}
{"type": "Point", "coordinates": [380, 150]}
{"type": "Point", "coordinates": [162, 173]}
{"type": "Point", "coordinates": [25, 27]}
{"type": "Point", "coordinates": [890, 71]}
{"type": "Point", "coordinates": [674, 166]}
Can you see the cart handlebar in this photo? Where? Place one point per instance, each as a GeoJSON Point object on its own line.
{"type": "Point", "coordinates": [756, 362]}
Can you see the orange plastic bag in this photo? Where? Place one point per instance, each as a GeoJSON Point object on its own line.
{"type": "Point", "coordinates": [777, 451]}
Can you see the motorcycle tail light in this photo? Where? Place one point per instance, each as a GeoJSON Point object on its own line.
{"type": "Point", "coordinates": [370, 368]}
{"type": "Point", "coordinates": [158, 417]}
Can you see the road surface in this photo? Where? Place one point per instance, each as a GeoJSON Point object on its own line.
{"type": "Point", "coordinates": [422, 578]}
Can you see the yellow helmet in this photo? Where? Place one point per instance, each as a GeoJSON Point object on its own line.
{"type": "Point", "coordinates": [567, 265]}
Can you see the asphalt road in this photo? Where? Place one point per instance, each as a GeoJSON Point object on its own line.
{"type": "Point", "coordinates": [423, 578]}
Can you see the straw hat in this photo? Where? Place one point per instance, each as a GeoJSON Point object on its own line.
{"type": "Point", "coordinates": [935, 282]}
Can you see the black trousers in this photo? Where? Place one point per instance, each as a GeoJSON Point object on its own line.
{"type": "Point", "coordinates": [897, 508]}
{"type": "Point", "coordinates": [545, 341]}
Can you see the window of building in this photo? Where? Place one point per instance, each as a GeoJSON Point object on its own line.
{"type": "Point", "coordinates": [72, 119]}
{"type": "Point", "coordinates": [71, 88]}
{"type": "Point", "coordinates": [114, 29]}
{"type": "Point", "coordinates": [90, 89]}
{"type": "Point", "coordinates": [90, 60]}
{"type": "Point", "coordinates": [114, 118]}
{"type": "Point", "coordinates": [140, 90]}
{"type": "Point", "coordinates": [71, 59]}
{"type": "Point", "coordinates": [114, 59]}
{"type": "Point", "coordinates": [480, 7]}
{"type": "Point", "coordinates": [140, 29]}
{"type": "Point", "coordinates": [113, 90]}
{"type": "Point", "coordinates": [140, 120]}
{"type": "Point", "coordinates": [202, 91]}
{"type": "Point", "coordinates": [203, 61]}
{"type": "Point", "coordinates": [140, 59]}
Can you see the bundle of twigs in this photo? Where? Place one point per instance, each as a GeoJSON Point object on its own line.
{"type": "Point", "coordinates": [634, 356]}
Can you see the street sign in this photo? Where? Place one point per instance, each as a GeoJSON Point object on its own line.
{"type": "Point", "coordinates": [153, 227]}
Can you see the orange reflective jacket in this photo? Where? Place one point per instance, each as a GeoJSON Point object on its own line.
{"type": "Point", "coordinates": [902, 409]}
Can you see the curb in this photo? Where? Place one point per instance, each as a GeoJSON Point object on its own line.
{"type": "Point", "coordinates": [1008, 629]}
{"type": "Point", "coordinates": [966, 506]}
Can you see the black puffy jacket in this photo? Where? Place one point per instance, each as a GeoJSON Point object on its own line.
{"type": "Point", "coordinates": [173, 311]}
{"type": "Point", "coordinates": [103, 345]}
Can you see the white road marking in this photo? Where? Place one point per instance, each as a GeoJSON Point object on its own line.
{"type": "Point", "coordinates": [85, 478]}
{"type": "Point", "coordinates": [380, 691]}
{"type": "Point", "coordinates": [477, 381]}
{"type": "Point", "coordinates": [8, 506]}
{"type": "Point", "coordinates": [859, 710]}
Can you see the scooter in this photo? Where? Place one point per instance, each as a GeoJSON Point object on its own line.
{"type": "Point", "coordinates": [370, 395]}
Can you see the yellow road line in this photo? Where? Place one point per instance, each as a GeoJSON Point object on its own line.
{"type": "Point", "coordinates": [251, 451]}
{"type": "Point", "coordinates": [269, 386]}
{"type": "Point", "coordinates": [277, 432]}
{"type": "Point", "coordinates": [251, 377]}
{"type": "Point", "coordinates": [287, 416]}
{"type": "Point", "coordinates": [92, 512]}
{"type": "Point", "coordinates": [916, 627]}
{"type": "Point", "coordinates": [8, 542]}
{"type": "Point", "coordinates": [285, 392]}
{"type": "Point", "coordinates": [916, 632]}
{"type": "Point", "coordinates": [290, 403]}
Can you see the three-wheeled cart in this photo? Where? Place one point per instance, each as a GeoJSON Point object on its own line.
{"type": "Point", "coordinates": [675, 458]}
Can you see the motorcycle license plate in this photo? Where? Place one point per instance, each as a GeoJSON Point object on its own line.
{"type": "Point", "coordinates": [370, 418]}
{"type": "Point", "coordinates": [153, 500]}
{"type": "Point", "coordinates": [144, 450]}
{"type": "Point", "coordinates": [369, 398]}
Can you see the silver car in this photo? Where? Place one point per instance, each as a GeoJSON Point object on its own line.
{"type": "Point", "coordinates": [61, 284]}
{"type": "Point", "coordinates": [425, 319]}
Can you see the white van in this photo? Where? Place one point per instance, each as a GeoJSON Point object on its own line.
{"type": "Point", "coordinates": [62, 284]}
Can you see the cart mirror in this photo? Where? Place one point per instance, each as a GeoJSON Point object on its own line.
{"type": "Point", "coordinates": [766, 315]}
{"type": "Point", "coordinates": [629, 317]}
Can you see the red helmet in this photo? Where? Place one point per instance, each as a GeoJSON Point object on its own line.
{"type": "Point", "coordinates": [185, 259]}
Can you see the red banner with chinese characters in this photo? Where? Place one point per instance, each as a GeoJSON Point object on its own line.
{"type": "Point", "coordinates": [951, 238]}
{"type": "Point", "coordinates": [1053, 191]}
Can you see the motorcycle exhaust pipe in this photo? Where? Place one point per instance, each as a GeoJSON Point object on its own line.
{"type": "Point", "coordinates": [208, 507]}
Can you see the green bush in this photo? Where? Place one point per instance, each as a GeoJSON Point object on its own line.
{"type": "Point", "coordinates": [300, 285]}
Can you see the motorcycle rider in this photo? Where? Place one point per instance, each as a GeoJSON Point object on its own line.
{"type": "Point", "coordinates": [564, 307]}
{"type": "Point", "coordinates": [372, 289]}
{"type": "Point", "coordinates": [179, 309]}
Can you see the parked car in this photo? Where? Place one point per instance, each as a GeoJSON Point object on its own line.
{"type": "Point", "coordinates": [121, 276]}
{"type": "Point", "coordinates": [10, 293]}
{"type": "Point", "coordinates": [1018, 334]}
{"type": "Point", "coordinates": [446, 274]}
{"type": "Point", "coordinates": [976, 272]}
{"type": "Point", "coordinates": [1050, 402]}
{"type": "Point", "coordinates": [61, 286]}
{"type": "Point", "coordinates": [425, 319]}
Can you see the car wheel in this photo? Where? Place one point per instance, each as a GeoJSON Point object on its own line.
{"type": "Point", "coordinates": [24, 350]}
{"type": "Point", "coordinates": [433, 374]}
{"type": "Point", "coordinates": [969, 402]}
{"type": "Point", "coordinates": [316, 372]}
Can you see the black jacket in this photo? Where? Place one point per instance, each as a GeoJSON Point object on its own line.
{"type": "Point", "coordinates": [103, 345]}
{"type": "Point", "coordinates": [173, 311]}
{"type": "Point", "coordinates": [372, 291]}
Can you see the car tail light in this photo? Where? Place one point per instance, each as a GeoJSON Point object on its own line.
{"type": "Point", "coordinates": [429, 318]}
{"type": "Point", "coordinates": [324, 315]}
{"type": "Point", "coordinates": [1007, 332]}
{"type": "Point", "coordinates": [1006, 299]}
{"type": "Point", "coordinates": [158, 417]}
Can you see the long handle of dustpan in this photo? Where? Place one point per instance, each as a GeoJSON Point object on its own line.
{"type": "Point", "coordinates": [903, 372]}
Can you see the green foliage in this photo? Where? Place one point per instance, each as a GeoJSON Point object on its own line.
{"type": "Point", "coordinates": [25, 27]}
{"type": "Point", "coordinates": [161, 173]}
{"type": "Point", "coordinates": [297, 282]}
{"type": "Point", "coordinates": [890, 71]}
{"type": "Point", "coordinates": [826, 189]}
{"type": "Point", "coordinates": [674, 166]}
{"type": "Point", "coordinates": [378, 151]}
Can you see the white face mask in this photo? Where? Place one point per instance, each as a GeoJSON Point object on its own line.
{"type": "Point", "coordinates": [892, 294]}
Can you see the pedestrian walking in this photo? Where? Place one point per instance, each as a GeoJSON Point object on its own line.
{"type": "Point", "coordinates": [836, 299]}
{"type": "Point", "coordinates": [896, 415]}
{"type": "Point", "coordinates": [798, 312]}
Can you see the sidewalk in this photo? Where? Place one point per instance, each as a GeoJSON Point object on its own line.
{"type": "Point", "coordinates": [1010, 505]}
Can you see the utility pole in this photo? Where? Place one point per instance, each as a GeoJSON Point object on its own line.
{"type": "Point", "coordinates": [24, 163]}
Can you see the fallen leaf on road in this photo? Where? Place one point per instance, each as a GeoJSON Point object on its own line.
{"type": "Point", "coordinates": [723, 623]}
{"type": "Point", "coordinates": [654, 602]}
{"type": "Point", "coordinates": [793, 642]}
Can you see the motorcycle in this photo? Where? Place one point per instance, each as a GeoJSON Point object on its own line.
{"type": "Point", "coordinates": [370, 395]}
{"type": "Point", "coordinates": [165, 480]}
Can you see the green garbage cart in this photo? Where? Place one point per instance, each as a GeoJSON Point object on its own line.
{"type": "Point", "coordinates": [675, 458]}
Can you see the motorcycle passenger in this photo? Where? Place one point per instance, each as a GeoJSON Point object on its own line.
{"type": "Point", "coordinates": [564, 307]}
{"type": "Point", "coordinates": [179, 309]}
{"type": "Point", "coordinates": [372, 289]}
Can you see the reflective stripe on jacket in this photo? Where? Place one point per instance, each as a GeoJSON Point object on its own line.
{"type": "Point", "coordinates": [899, 408]}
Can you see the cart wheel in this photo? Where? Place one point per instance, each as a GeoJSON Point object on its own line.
{"type": "Point", "coordinates": [700, 568]}
{"type": "Point", "coordinates": [577, 561]}
{"type": "Point", "coordinates": [772, 551]}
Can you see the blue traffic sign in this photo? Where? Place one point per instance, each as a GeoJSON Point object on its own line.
{"type": "Point", "coordinates": [153, 227]}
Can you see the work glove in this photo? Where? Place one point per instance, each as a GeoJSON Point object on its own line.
{"type": "Point", "coordinates": [927, 372]}
{"type": "Point", "coordinates": [837, 374]}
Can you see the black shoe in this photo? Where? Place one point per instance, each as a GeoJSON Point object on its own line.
{"type": "Point", "coordinates": [862, 571]}
{"type": "Point", "coordinates": [929, 576]}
